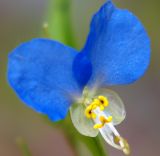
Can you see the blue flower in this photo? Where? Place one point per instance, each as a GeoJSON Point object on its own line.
{"type": "Point", "coordinates": [49, 76]}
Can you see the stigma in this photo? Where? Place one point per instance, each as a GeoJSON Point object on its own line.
{"type": "Point", "coordinates": [95, 110]}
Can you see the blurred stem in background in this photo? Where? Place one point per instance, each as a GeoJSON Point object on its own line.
{"type": "Point", "coordinates": [59, 27]}
{"type": "Point", "coordinates": [59, 19]}
{"type": "Point", "coordinates": [23, 146]}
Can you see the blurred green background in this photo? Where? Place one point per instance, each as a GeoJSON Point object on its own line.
{"type": "Point", "coordinates": [21, 20]}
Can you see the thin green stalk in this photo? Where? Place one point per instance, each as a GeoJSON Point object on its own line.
{"type": "Point", "coordinates": [59, 21]}
{"type": "Point", "coordinates": [23, 147]}
{"type": "Point", "coordinates": [94, 145]}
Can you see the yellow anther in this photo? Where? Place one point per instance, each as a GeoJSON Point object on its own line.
{"type": "Point", "coordinates": [93, 115]}
{"type": "Point", "coordinates": [96, 101]}
{"type": "Point", "coordinates": [103, 100]}
{"type": "Point", "coordinates": [103, 121]}
{"type": "Point", "coordinates": [100, 102]}
{"type": "Point", "coordinates": [94, 104]}
{"type": "Point", "coordinates": [109, 119]}
{"type": "Point", "coordinates": [125, 145]}
{"type": "Point", "coordinates": [101, 107]}
{"type": "Point", "coordinates": [117, 139]}
{"type": "Point", "coordinates": [97, 126]}
{"type": "Point", "coordinates": [88, 112]}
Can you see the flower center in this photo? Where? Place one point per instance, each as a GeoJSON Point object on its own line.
{"type": "Point", "coordinates": [100, 102]}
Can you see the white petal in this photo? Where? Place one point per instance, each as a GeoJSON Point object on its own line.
{"type": "Point", "coordinates": [108, 131]}
{"type": "Point", "coordinates": [115, 108]}
{"type": "Point", "coordinates": [81, 122]}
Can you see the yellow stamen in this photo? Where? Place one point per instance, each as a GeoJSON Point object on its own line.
{"type": "Point", "coordinates": [97, 126]}
{"type": "Point", "coordinates": [103, 100]}
{"type": "Point", "coordinates": [88, 112]}
{"type": "Point", "coordinates": [93, 115]}
{"type": "Point", "coordinates": [100, 102]}
{"type": "Point", "coordinates": [101, 107]}
{"type": "Point", "coordinates": [103, 121]}
{"type": "Point", "coordinates": [125, 145]}
{"type": "Point", "coordinates": [94, 104]}
{"type": "Point", "coordinates": [117, 139]}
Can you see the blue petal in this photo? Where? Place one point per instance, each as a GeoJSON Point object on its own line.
{"type": "Point", "coordinates": [118, 46]}
{"type": "Point", "coordinates": [40, 71]}
{"type": "Point", "coordinates": [82, 69]}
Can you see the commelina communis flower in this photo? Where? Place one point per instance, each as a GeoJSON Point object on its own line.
{"type": "Point", "coordinates": [52, 78]}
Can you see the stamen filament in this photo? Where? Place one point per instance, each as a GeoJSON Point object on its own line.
{"type": "Point", "coordinates": [109, 133]}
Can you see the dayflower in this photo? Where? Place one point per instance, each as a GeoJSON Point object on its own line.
{"type": "Point", "coordinates": [49, 76]}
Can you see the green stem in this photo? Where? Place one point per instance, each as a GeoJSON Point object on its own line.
{"type": "Point", "coordinates": [23, 146]}
{"type": "Point", "coordinates": [94, 145]}
{"type": "Point", "coordinates": [59, 21]}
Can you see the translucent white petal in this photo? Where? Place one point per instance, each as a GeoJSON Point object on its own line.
{"type": "Point", "coordinates": [80, 122]}
{"type": "Point", "coordinates": [115, 108]}
{"type": "Point", "coordinates": [108, 131]}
